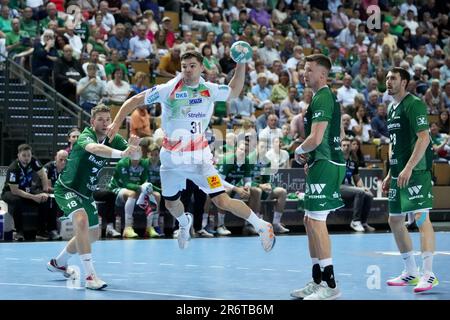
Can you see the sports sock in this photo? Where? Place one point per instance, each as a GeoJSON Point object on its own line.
{"type": "Point", "coordinates": [129, 209]}
{"type": "Point", "coordinates": [410, 263]}
{"type": "Point", "coordinates": [86, 260]}
{"type": "Point", "coordinates": [183, 220]}
{"type": "Point", "coordinates": [277, 217]}
{"type": "Point", "coordinates": [255, 221]}
{"type": "Point", "coordinates": [221, 219]}
{"type": "Point", "coordinates": [427, 264]}
{"type": "Point", "coordinates": [63, 257]}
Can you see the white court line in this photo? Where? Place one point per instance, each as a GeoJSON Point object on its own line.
{"type": "Point", "coordinates": [39, 259]}
{"type": "Point", "coordinates": [139, 262]}
{"type": "Point", "coordinates": [112, 290]}
{"type": "Point", "coordinates": [192, 265]}
{"type": "Point", "coordinates": [166, 264]}
{"type": "Point", "coordinates": [114, 262]}
{"type": "Point", "coordinates": [217, 267]}
{"type": "Point", "coordinates": [14, 259]}
{"type": "Point", "coordinates": [242, 268]}
{"type": "Point", "coordinates": [268, 269]}
{"type": "Point", "coordinates": [294, 270]}
{"type": "Point", "coordinates": [344, 274]}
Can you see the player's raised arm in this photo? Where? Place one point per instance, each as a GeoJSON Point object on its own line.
{"type": "Point", "coordinates": [241, 52]}
{"type": "Point", "coordinates": [127, 107]}
{"type": "Point", "coordinates": [237, 82]}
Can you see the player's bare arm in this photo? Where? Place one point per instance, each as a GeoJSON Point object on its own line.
{"type": "Point", "coordinates": [313, 140]}
{"type": "Point", "coordinates": [237, 82]}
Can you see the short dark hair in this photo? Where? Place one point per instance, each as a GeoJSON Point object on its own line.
{"type": "Point", "coordinates": [404, 74]}
{"type": "Point", "coordinates": [23, 147]}
{"type": "Point", "coordinates": [192, 54]}
{"type": "Point", "coordinates": [320, 59]}
{"type": "Point", "coordinates": [99, 108]}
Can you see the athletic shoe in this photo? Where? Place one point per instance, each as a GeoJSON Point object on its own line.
{"type": "Point", "coordinates": [112, 233]}
{"type": "Point", "coordinates": [204, 234]}
{"type": "Point", "coordinates": [223, 231]}
{"type": "Point", "coordinates": [95, 283]}
{"type": "Point", "coordinates": [129, 233]}
{"type": "Point", "coordinates": [368, 228]}
{"type": "Point", "coordinates": [52, 266]}
{"type": "Point", "coordinates": [175, 233]}
{"type": "Point", "coordinates": [18, 236]}
{"type": "Point", "coordinates": [54, 235]}
{"type": "Point", "coordinates": [357, 226]}
{"type": "Point", "coordinates": [324, 293]}
{"type": "Point", "coordinates": [159, 231]}
{"type": "Point", "coordinates": [267, 236]}
{"type": "Point", "coordinates": [405, 279]}
{"type": "Point", "coordinates": [309, 289]}
{"type": "Point", "coordinates": [184, 234]}
{"type": "Point", "coordinates": [426, 282]}
{"type": "Point", "coordinates": [279, 228]}
{"type": "Point", "coordinates": [151, 233]}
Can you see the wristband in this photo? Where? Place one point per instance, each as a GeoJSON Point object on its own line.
{"type": "Point", "coordinates": [299, 150]}
{"type": "Point", "coordinates": [116, 154]}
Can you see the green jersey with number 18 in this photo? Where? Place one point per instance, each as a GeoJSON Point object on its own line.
{"type": "Point", "coordinates": [405, 120]}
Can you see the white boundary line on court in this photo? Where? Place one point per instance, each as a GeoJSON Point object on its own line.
{"type": "Point", "coordinates": [112, 290]}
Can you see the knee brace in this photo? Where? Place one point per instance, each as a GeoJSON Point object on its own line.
{"type": "Point", "coordinates": [421, 219]}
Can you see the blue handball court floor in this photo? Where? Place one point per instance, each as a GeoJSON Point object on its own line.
{"type": "Point", "coordinates": [234, 268]}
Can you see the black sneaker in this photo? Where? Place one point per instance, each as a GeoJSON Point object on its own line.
{"type": "Point", "coordinates": [18, 236]}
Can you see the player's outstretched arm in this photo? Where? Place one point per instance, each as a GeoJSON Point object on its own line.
{"type": "Point", "coordinates": [106, 152]}
{"type": "Point", "coordinates": [127, 107]}
{"type": "Point", "coordinates": [237, 82]}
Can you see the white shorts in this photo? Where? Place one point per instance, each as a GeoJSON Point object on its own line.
{"type": "Point", "coordinates": [120, 201]}
{"type": "Point", "coordinates": [197, 166]}
{"type": "Point", "coordinates": [317, 215]}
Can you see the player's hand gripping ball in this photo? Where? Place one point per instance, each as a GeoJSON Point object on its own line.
{"type": "Point", "coordinates": [241, 52]}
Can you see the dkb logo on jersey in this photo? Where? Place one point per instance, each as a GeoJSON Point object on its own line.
{"type": "Point", "coordinates": [392, 194]}
{"type": "Point", "coordinates": [317, 114]}
{"type": "Point", "coordinates": [414, 192]}
{"type": "Point", "coordinates": [181, 95]}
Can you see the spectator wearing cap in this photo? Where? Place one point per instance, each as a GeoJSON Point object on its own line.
{"type": "Point", "coordinates": [268, 53]}
{"type": "Point", "coordinates": [261, 91]}
{"type": "Point", "coordinates": [167, 26]}
{"type": "Point", "coordinates": [170, 64]}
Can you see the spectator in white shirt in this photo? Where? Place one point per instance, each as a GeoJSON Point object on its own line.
{"type": "Point", "coordinates": [421, 57]}
{"type": "Point", "coordinates": [292, 62]}
{"type": "Point", "coordinates": [279, 158]}
{"type": "Point", "coordinates": [108, 21]}
{"type": "Point", "coordinates": [271, 131]}
{"type": "Point", "coordinates": [411, 23]}
{"type": "Point", "coordinates": [347, 37]}
{"type": "Point", "coordinates": [346, 94]}
{"type": "Point", "coordinates": [93, 58]}
{"type": "Point", "coordinates": [74, 40]}
{"type": "Point", "coordinates": [117, 90]}
{"type": "Point", "coordinates": [268, 53]}
{"type": "Point", "coordinates": [140, 46]}
{"type": "Point", "coordinates": [289, 107]}
{"type": "Point", "coordinates": [409, 5]}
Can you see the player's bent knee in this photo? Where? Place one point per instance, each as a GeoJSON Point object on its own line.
{"type": "Point", "coordinates": [396, 221]}
{"type": "Point", "coordinates": [221, 201]}
{"type": "Point", "coordinates": [80, 219]}
{"type": "Point", "coordinates": [421, 218]}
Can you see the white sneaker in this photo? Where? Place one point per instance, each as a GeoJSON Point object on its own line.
{"type": "Point", "coordinates": [357, 226]}
{"type": "Point", "coordinates": [426, 282]}
{"type": "Point", "coordinates": [95, 283]}
{"type": "Point", "coordinates": [184, 234]}
{"type": "Point", "coordinates": [112, 233]}
{"type": "Point", "coordinates": [310, 288]}
{"type": "Point", "coordinates": [279, 228]}
{"type": "Point", "coordinates": [204, 234]}
{"type": "Point", "coordinates": [223, 231]}
{"type": "Point", "coordinates": [267, 236]}
{"type": "Point", "coordinates": [175, 234]}
{"type": "Point", "coordinates": [324, 292]}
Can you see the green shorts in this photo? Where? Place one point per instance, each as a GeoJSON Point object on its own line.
{"type": "Point", "coordinates": [69, 202]}
{"type": "Point", "coordinates": [416, 196]}
{"type": "Point", "coordinates": [322, 186]}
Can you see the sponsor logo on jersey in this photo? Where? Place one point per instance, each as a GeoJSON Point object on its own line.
{"type": "Point", "coordinates": [99, 163]}
{"type": "Point", "coordinates": [421, 121]}
{"type": "Point", "coordinates": [205, 93]}
{"type": "Point", "coordinates": [317, 114]}
{"type": "Point", "coordinates": [152, 98]}
{"type": "Point", "coordinates": [314, 190]}
{"type": "Point", "coordinates": [392, 194]}
{"type": "Point", "coordinates": [181, 95]}
{"type": "Point", "coordinates": [196, 115]}
{"type": "Point", "coordinates": [195, 101]}
{"type": "Point", "coordinates": [393, 126]}
{"type": "Point", "coordinates": [223, 87]}
{"type": "Point", "coordinates": [214, 181]}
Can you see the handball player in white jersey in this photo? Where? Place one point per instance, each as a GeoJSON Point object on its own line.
{"type": "Point", "coordinates": [187, 106]}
